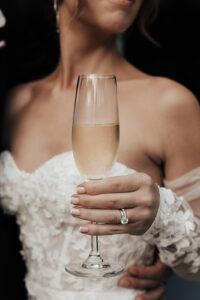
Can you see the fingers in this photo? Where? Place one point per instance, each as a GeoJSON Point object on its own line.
{"type": "Point", "coordinates": [116, 184]}
{"type": "Point", "coordinates": [158, 271]}
{"type": "Point", "coordinates": [115, 200]}
{"type": "Point", "coordinates": [136, 283]}
{"type": "Point", "coordinates": [136, 191]}
{"type": "Point", "coordinates": [156, 274]}
{"type": "Point", "coordinates": [106, 229]}
{"type": "Point", "coordinates": [108, 216]}
{"type": "Point", "coordinates": [156, 294]}
{"type": "Point", "coordinates": [95, 229]}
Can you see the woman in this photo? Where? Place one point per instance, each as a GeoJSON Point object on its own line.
{"type": "Point", "coordinates": [37, 181]}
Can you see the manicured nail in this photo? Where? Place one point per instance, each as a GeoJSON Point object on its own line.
{"type": "Point", "coordinates": [75, 211]}
{"type": "Point", "coordinates": [74, 200]}
{"type": "Point", "coordinates": [81, 190]}
{"type": "Point", "coordinates": [125, 283]}
{"type": "Point", "coordinates": [83, 229]}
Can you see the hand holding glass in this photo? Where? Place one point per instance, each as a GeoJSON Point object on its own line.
{"type": "Point", "coordinates": [95, 140]}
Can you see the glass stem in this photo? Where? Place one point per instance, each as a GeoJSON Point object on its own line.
{"type": "Point", "coordinates": [94, 244]}
{"type": "Point", "coordinates": [94, 260]}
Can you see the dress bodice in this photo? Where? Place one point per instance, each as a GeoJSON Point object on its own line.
{"type": "Point", "coordinates": [51, 237]}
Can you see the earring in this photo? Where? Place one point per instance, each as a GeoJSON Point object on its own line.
{"type": "Point", "coordinates": [55, 5]}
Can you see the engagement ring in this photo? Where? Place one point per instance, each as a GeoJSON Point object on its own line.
{"type": "Point", "coordinates": [124, 219]}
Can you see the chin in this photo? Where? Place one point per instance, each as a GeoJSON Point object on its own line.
{"type": "Point", "coordinates": [114, 29]}
{"type": "Point", "coordinates": [102, 14]}
{"type": "Point", "coordinates": [115, 25]}
{"type": "Point", "coordinates": [111, 23]}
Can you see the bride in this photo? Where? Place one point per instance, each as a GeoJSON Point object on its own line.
{"type": "Point", "coordinates": [159, 139]}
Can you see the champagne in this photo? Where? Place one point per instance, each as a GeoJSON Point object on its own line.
{"type": "Point", "coordinates": [95, 139]}
{"type": "Point", "coordinates": [95, 148]}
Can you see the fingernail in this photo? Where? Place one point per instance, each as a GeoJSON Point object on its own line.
{"type": "Point", "coordinates": [125, 283]}
{"type": "Point", "coordinates": [75, 211]}
{"type": "Point", "coordinates": [81, 190]}
{"type": "Point", "coordinates": [83, 229]}
{"type": "Point", "coordinates": [74, 200]}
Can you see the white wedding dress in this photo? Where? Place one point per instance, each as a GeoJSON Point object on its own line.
{"type": "Point", "coordinates": [51, 237]}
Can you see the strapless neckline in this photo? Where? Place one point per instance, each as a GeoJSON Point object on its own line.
{"type": "Point", "coordinates": [50, 235]}
{"type": "Point", "coordinates": [11, 157]}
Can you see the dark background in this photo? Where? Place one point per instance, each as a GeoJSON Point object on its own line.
{"type": "Point", "coordinates": [32, 52]}
{"type": "Point", "coordinates": [177, 31]}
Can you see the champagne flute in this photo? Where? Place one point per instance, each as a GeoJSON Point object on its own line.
{"type": "Point", "coordinates": [95, 140]}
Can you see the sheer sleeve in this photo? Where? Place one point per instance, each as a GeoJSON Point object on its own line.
{"type": "Point", "coordinates": [176, 229]}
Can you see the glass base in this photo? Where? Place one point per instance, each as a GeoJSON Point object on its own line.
{"type": "Point", "coordinates": [95, 270]}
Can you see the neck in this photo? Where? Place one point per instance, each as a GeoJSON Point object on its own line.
{"type": "Point", "coordinates": [84, 49]}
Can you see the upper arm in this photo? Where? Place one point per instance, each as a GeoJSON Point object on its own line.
{"type": "Point", "coordinates": [179, 115]}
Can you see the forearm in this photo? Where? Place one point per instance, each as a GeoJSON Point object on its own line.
{"type": "Point", "coordinates": [176, 233]}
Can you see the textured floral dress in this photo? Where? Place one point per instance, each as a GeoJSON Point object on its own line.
{"type": "Point", "coordinates": [50, 235]}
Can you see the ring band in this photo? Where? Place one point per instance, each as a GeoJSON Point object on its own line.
{"type": "Point", "coordinates": [124, 219]}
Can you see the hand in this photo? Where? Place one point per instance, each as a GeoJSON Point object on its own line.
{"type": "Point", "coordinates": [100, 201]}
{"type": "Point", "coordinates": [151, 278]}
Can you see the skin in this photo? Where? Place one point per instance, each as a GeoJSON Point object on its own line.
{"type": "Point", "coordinates": [157, 117]}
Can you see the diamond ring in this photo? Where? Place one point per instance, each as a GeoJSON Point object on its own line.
{"type": "Point", "coordinates": [124, 219]}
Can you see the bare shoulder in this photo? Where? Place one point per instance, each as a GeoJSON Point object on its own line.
{"type": "Point", "coordinates": [161, 95]}
{"type": "Point", "coordinates": [165, 98]}
{"type": "Point", "coordinates": [174, 107]}
{"type": "Point", "coordinates": [170, 115]}
{"type": "Point", "coordinates": [172, 97]}
{"type": "Point", "coordinates": [177, 115]}
{"type": "Point", "coordinates": [18, 98]}
{"type": "Point", "coordinates": [22, 95]}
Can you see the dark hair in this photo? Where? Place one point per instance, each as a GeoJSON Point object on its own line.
{"type": "Point", "coordinates": [147, 15]}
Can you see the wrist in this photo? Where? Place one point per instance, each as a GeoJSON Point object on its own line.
{"type": "Point", "coordinates": [163, 224]}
